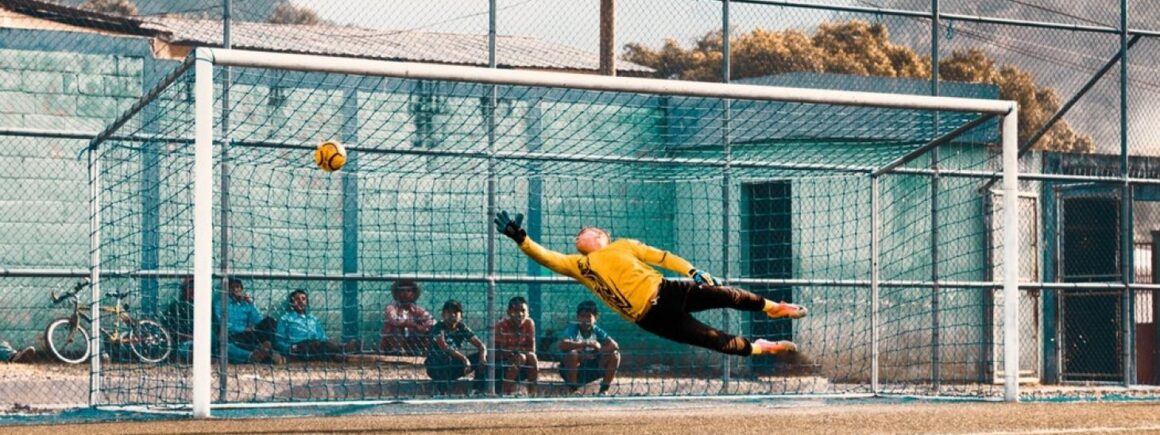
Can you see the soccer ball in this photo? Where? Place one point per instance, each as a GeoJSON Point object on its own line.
{"type": "Point", "coordinates": [330, 156]}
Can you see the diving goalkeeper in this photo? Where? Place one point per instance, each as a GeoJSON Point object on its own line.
{"type": "Point", "coordinates": [620, 272]}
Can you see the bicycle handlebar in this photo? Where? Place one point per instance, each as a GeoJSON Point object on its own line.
{"type": "Point", "coordinates": [56, 300]}
{"type": "Point", "coordinates": [71, 293]}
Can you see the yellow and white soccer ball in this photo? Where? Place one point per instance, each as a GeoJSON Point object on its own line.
{"type": "Point", "coordinates": [330, 156]}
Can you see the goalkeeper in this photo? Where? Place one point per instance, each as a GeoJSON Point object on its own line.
{"type": "Point", "coordinates": [621, 274]}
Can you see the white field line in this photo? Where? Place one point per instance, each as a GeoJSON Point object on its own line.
{"type": "Point", "coordinates": [1117, 429]}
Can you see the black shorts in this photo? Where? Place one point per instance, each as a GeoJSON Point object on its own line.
{"type": "Point", "coordinates": [672, 316]}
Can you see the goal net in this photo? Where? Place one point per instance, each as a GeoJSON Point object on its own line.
{"type": "Point", "coordinates": [869, 209]}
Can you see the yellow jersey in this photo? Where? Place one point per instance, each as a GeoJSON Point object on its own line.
{"type": "Point", "coordinates": [619, 273]}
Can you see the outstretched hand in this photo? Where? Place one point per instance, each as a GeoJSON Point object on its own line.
{"type": "Point", "coordinates": [509, 227]}
{"type": "Point", "coordinates": [702, 278]}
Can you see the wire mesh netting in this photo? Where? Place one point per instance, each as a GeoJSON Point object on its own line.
{"type": "Point", "coordinates": [413, 203]}
{"type": "Point", "coordinates": [788, 194]}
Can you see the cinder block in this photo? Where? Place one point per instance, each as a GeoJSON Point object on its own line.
{"type": "Point", "coordinates": [122, 86]}
{"type": "Point", "coordinates": [9, 79]}
{"type": "Point", "coordinates": [97, 107]}
{"type": "Point", "coordinates": [124, 104]}
{"type": "Point", "coordinates": [68, 62]}
{"type": "Point", "coordinates": [11, 120]}
{"type": "Point", "coordinates": [59, 104]}
{"type": "Point", "coordinates": [19, 102]}
{"type": "Point", "coordinates": [48, 238]}
{"type": "Point", "coordinates": [50, 61]}
{"type": "Point", "coordinates": [63, 150]}
{"type": "Point", "coordinates": [20, 59]}
{"type": "Point", "coordinates": [70, 83]}
{"type": "Point", "coordinates": [33, 207]}
{"type": "Point", "coordinates": [64, 123]}
{"type": "Point", "coordinates": [130, 66]}
{"type": "Point", "coordinates": [91, 84]}
{"type": "Point", "coordinates": [99, 65]}
{"type": "Point", "coordinates": [42, 82]}
{"type": "Point", "coordinates": [8, 60]}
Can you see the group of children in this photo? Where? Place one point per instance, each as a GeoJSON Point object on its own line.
{"type": "Point", "coordinates": [454, 351]}
{"type": "Point", "coordinates": [254, 338]}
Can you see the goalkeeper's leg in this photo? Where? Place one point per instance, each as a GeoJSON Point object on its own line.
{"type": "Point", "coordinates": [706, 297]}
{"type": "Point", "coordinates": [670, 318]}
{"type": "Point", "coordinates": [684, 328]}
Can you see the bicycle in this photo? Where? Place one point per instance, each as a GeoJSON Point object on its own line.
{"type": "Point", "coordinates": [68, 337]}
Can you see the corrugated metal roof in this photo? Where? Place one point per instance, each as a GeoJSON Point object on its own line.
{"type": "Point", "coordinates": [333, 40]}
{"type": "Point", "coordinates": [450, 48]}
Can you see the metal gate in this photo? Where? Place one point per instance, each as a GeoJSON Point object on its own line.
{"type": "Point", "coordinates": [1089, 319]}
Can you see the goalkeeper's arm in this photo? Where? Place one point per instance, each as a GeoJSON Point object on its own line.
{"type": "Point", "coordinates": [671, 261]}
{"type": "Point", "coordinates": [557, 262]}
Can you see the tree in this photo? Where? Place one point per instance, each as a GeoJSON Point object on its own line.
{"type": "Point", "coordinates": [287, 13]}
{"type": "Point", "coordinates": [1036, 104]}
{"type": "Point", "coordinates": [859, 48]}
{"type": "Point", "coordinates": [111, 7]}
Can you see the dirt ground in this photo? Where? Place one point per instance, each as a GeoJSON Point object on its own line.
{"type": "Point", "coordinates": [762, 416]}
{"type": "Point", "coordinates": [1056, 409]}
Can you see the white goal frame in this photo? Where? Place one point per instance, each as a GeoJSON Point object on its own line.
{"type": "Point", "coordinates": [206, 59]}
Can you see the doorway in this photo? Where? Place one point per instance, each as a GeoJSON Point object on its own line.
{"type": "Point", "coordinates": [1090, 318]}
{"type": "Point", "coordinates": [768, 226]}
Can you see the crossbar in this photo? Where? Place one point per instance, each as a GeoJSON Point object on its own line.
{"type": "Point", "coordinates": [424, 71]}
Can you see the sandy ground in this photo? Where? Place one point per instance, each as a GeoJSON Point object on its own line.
{"type": "Point", "coordinates": [365, 377]}
{"type": "Point", "coordinates": [1081, 409]}
{"type": "Point", "coordinates": [697, 417]}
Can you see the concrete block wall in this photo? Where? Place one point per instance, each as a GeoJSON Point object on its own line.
{"type": "Point", "coordinates": [54, 82]}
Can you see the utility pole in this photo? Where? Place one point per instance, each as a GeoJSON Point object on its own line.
{"type": "Point", "coordinates": [608, 37]}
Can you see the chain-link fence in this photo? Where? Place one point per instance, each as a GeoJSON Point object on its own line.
{"type": "Point", "coordinates": [1088, 214]}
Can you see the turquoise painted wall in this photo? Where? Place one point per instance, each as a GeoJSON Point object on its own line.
{"type": "Point", "coordinates": [58, 82]}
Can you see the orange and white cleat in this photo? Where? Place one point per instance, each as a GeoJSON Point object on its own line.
{"type": "Point", "coordinates": [782, 310]}
{"type": "Point", "coordinates": [774, 347]}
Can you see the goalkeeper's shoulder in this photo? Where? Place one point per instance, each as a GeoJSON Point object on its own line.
{"type": "Point", "coordinates": [636, 245]}
{"type": "Point", "coordinates": [629, 242]}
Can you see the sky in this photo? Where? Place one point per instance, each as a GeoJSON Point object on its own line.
{"type": "Point", "coordinates": [569, 22]}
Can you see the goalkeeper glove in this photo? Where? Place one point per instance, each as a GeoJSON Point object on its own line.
{"type": "Point", "coordinates": [702, 278]}
{"type": "Point", "coordinates": [509, 227]}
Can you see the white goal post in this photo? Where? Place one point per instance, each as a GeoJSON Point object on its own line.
{"type": "Point", "coordinates": [206, 59]}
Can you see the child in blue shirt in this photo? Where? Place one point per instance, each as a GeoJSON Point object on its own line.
{"type": "Point", "coordinates": [589, 353]}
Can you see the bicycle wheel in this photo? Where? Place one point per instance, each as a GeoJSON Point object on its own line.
{"type": "Point", "coordinates": [67, 342]}
{"type": "Point", "coordinates": [150, 341]}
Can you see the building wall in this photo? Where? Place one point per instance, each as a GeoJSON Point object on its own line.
{"type": "Point", "coordinates": [56, 82]}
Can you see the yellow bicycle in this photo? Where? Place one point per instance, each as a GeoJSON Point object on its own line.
{"type": "Point", "coordinates": [68, 338]}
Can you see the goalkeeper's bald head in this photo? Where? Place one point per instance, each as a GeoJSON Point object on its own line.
{"type": "Point", "coordinates": [592, 239]}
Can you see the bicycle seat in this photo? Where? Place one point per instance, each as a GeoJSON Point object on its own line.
{"type": "Point", "coordinates": [117, 295]}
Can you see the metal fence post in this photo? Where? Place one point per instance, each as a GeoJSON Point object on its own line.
{"type": "Point", "coordinates": [875, 247]}
{"type": "Point", "coordinates": [935, 318]}
{"type": "Point", "coordinates": [726, 178]}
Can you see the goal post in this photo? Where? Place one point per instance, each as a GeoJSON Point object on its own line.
{"type": "Point", "coordinates": [203, 249]}
{"type": "Point", "coordinates": [240, 58]}
{"type": "Point", "coordinates": [808, 218]}
{"type": "Point", "coordinates": [1011, 254]}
